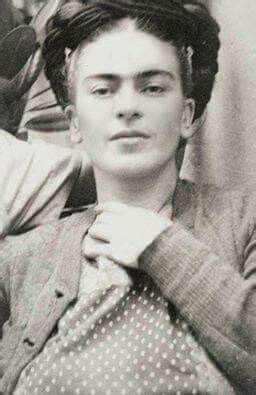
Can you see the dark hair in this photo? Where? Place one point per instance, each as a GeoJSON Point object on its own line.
{"type": "Point", "coordinates": [186, 24]}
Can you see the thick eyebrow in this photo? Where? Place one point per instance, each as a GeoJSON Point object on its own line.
{"type": "Point", "coordinates": [154, 73]}
{"type": "Point", "coordinates": [142, 75]}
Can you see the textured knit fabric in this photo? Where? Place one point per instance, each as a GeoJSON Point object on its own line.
{"type": "Point", "coordinates": [121, 343]}
{"type": "Point", "coordinates": [205, 265]}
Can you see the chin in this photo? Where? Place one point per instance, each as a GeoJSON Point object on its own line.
{"type": "Point", "coordinates": [133, 168]}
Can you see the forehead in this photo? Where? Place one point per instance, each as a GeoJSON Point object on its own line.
{"type": "Point", "coordinates": [126, 51]}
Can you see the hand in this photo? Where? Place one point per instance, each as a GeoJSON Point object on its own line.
{"type": "Point", "coordinates": [122, 233]}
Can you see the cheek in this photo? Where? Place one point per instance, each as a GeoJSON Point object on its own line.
{"type": "Point", "coordinates": [167, 120]}
{"type": "Point", "coordinates": [92, 113]}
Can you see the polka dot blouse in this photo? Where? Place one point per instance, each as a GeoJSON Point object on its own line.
{"type": "Point", "coordinates": [129, 342]}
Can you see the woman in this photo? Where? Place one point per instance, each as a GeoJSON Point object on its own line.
{"type": "Point", "coordinates": [133, 77]}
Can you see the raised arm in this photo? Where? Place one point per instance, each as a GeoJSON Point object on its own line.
{"type": "Point", "coordinates": [35, 181]}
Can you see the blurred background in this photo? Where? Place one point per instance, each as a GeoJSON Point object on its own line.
{"type": "Point", "coordinates": [28, 8]}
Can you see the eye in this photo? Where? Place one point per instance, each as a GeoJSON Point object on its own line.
{"type": "Point", "coordinates": [102, 92]}
{"type": "Point", "coordinates": [153, 90]}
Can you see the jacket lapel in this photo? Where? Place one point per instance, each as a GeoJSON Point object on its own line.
{"type": "Point", "coordinates": [62, 287]}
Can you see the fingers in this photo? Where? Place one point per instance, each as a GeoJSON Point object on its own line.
{"type": "Point", "coordinates": [112, 207]}
{"type": "Point", "coordinates": [105, 217]}
{"type": "Point", "coordinates": [93, 248]}
{"type": "Point", "coordinates": [100, 231]}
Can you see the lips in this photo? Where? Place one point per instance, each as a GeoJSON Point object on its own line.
{"type": "Point", "coordinates": [126, 134]}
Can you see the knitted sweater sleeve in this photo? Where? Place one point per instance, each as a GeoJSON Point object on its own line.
{"type": "Point", "coordinates": [217, 300]}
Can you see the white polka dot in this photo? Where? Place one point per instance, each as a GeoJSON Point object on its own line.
{"type": "Point", "coordinates": [168, 372]}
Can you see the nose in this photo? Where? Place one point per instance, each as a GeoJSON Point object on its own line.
{"type": "Point", "coordinates": [127, 107]}
{"type": "Point", "coordinates": [128, 115]}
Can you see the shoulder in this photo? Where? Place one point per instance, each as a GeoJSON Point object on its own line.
{"type": "Point", "coordinates": [234, 205]}
{"type": "Point", "coordinates": [43, 239]}
{"type": "Point", "coordinates": [241, 199]}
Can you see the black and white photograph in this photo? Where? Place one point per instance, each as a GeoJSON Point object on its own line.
{"type": "Point", "coordinates": [127, 197]}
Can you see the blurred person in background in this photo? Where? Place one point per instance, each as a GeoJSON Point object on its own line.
{"type": "Point", "coordinates": [36, 178]}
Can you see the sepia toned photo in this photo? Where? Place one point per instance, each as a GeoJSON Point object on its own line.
{"type": "Point", "coordinates": [127, 197]}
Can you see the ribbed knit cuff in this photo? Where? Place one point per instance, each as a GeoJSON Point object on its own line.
{"type": "Point", "coordinates": [189, 275]}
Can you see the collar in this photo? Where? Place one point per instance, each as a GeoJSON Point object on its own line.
{"type": "Point", "coordinates": [68, 257]}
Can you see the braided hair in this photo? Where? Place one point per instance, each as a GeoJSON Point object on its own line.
{"type": "Point", "coordinates": [186, 24]}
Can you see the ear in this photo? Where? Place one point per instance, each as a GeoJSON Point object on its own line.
{"type": "Point", "coordinates": [187, 118]}
{"type": "Point", "coordinates": [75, 135]}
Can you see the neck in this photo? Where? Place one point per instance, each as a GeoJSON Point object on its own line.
{"type": "Point", "coordinates": [150, 191]}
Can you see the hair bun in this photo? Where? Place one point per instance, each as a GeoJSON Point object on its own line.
{"type": "Point", "coordinates": [206, 45]}
{"type": "Point", "coordinates": [186, 20]}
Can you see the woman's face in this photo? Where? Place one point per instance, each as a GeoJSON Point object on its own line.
{"type": "Point", "coordinates": [129, 104]}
